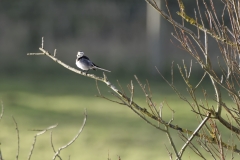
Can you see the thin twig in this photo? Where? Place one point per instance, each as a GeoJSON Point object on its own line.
{"type": "Point", "coordinates": [101, 96]}
{"type": "Point", "coordinates": [139, 114]}
{"type": "Point", "coordinates": [200, 80]}
{"type": "Point", "coordinates": [52, 145]}
{"type": "Point", "coordinates": [169, 153]}
{"type": "Point", "coordinates": [52, 142]}
{"type": "Point", "coordinates": [171, 142]}
{"type": "Point", "coordinates": [1, 115]}
{"type": "Point", "coordinates": [1, 157]}
{"type": "Point", "coordinates": [172, 111]}
{"type": "Point", "coordinates": [55, 52]}
{"type": "Point", "coordinates": [99, 92]}
{"type": "Point", "coordinates": [190, 69]}
{"type": "Point", "coordinates": [151, 105]}
{"type": "Point", "coordinates": [160, 110]}
{"type": "Point", "coordinates": [120, 87]}
{"type": "Point", "coordinates": [132, 92]}
{"type": "Point", "coordinates": [42, 42]}
{"type": "Point", "coordinates": [18, 138]}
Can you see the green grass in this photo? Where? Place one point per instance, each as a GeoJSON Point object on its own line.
{"type": "Point", "coordinates": [113, 129]}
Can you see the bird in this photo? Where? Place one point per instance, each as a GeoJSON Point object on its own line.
{"type": "Point", "coordinates": [85, 64]}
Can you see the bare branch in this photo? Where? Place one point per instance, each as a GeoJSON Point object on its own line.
{"type": "Point", "coordinates": [18, 138]}
{"type": "Point", "coordinates": [101, 96]}
{"type": "Point", "coordinates": [148, 97]}
{"type": "Point", "coordinates": [132, 92]}
{"type": "Point", "coordinates": [52, 145]}
{"type": "Point", "coordinates": [1, 157]}
{"type": "Point", "coordinates": [193, 135]}
{"type": "Point", "coordinates": [1, 115]}
{"type": "Point", "coordinates": [120, 87]}
{"type": "Point", "coordinates": [42, 42]}
{"type": "Point", "coordinates": [169, 153]}
{"type": "Point", "coordinates": [52, 142]}
{"type": "Point", "coordinates": [35, 138]}
{"type": "Point", "coordinates": [55, 52]}
{"type": "Point", "coordinates": [171, 142]}
{"type": "Point", "coordinates": [200, 80]}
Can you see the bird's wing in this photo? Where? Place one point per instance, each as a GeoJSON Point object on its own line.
{"type": "Point", "coordinates": [85, 57]}
{"type": "Point", "coordinates": [86, 63]}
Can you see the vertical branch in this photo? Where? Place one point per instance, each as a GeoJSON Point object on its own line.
{"type": "Point", "coordinates": [132, 92]}
{"type": "Point", "coordinates": [51, 139]}
{"type": "Point", "coordinates": [219, 98]}
{"type": "Point", "coordinates": [18, 139]}
{"type": "Point", "coordinates": [215, 85]}
{"type": "Point", "coordinates": [206, 50]}
{"type": "Point", "coordinates": [42, 45]}
{"type": "Point", "coordinates": [169, 153]}
{"type": "Point", "coordinates": [168, 133]}
{"type": "Point", "coordinates": [1, 115]}
{"type": "Point", "coordinates": [1, 158]}
{"type": "Point", "coordinates": [172, 143]}
{"type": "Point", "coordinates": [120, 87]}
{"type": "Point", "coordinates": [55, 52]}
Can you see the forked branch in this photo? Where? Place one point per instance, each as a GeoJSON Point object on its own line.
{"type": "Point", "coordinates": [35, 138]}
{"type": "Point", "coordinates": [73, 140]}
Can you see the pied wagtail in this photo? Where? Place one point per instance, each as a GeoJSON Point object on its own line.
{"type": "Point", "coordinates": [84, 63]}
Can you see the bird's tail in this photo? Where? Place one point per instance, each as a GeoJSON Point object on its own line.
{"type": "Point", "coordinates": [101, 69]}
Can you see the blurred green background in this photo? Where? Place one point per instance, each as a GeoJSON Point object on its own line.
{"type": "Point", "coordinates": [38, 92]}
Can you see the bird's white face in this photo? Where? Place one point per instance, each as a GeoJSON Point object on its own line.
{"type": "Point", "coordinates": [80, 54]}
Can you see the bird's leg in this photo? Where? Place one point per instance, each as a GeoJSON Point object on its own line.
{"type": "Point", "coordinates": [86, 72]}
